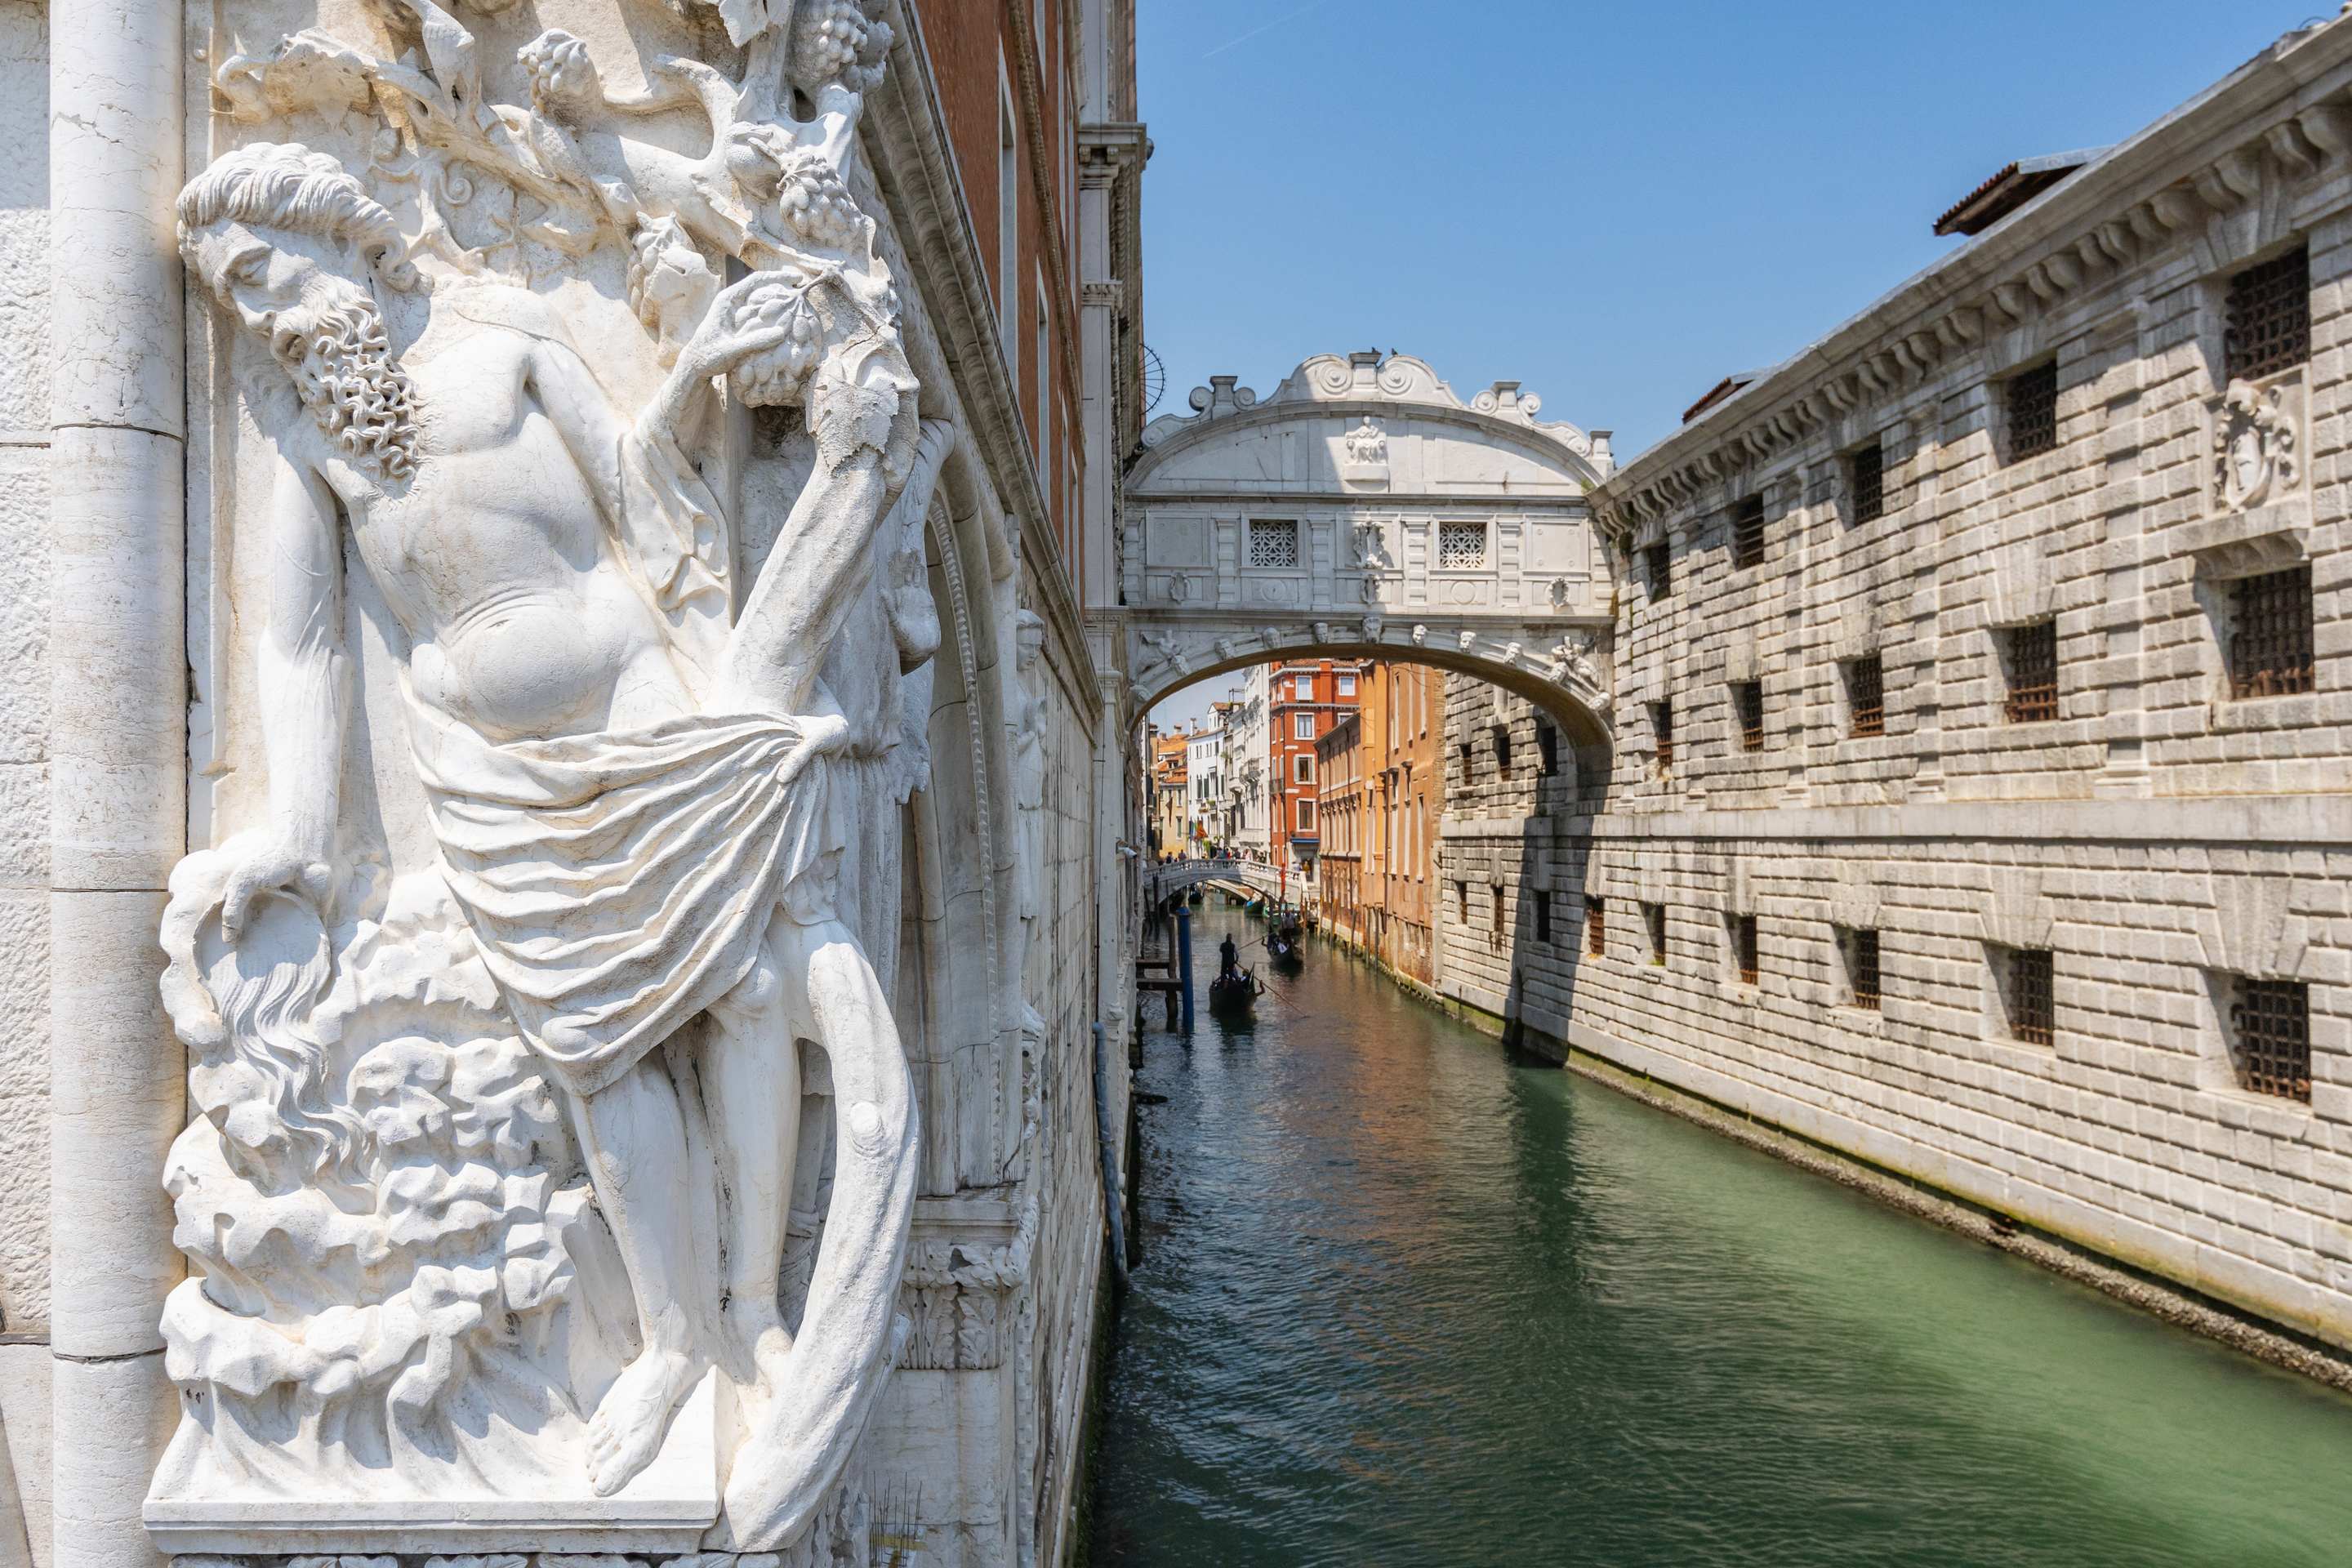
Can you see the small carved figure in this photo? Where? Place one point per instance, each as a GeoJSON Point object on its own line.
{"type": "Point", "coordinates": [1367, 444]}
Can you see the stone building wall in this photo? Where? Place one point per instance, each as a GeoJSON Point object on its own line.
{"type": "Point", "coordinates": [2166, 841]}
{"type": "Point", "coordinates": [24, 782]}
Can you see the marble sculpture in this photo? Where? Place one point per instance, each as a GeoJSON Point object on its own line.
{"type": "Point", "coordinates": [493, 1163]}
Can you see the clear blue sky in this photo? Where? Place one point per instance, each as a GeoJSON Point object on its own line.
{"type": "Point", "coordinates": [1614, 204]}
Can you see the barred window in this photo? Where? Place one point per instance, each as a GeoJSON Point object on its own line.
{"type": "Point", "coordinates": [2024, 975]}
{"type": "Point", "coordinates": [1543, 915]}
{"type": "Point", "coordinates": [2270, 1035]}
{"type": "Point", "coordinates": [1867, 478]}
{"type": "Point", "coordinates": [1468, 761]}
{"type": "Point", "coordinates": [1747, 534]}
{"type": "Point", "coordinates": [1662, 733]}
{"type": "Point", "coordinates": [1748, 698]}
{"type": "Point", "coordinates": [1461, 546]}
{"type": "Point", "coordinates": [1546, 748]}
{"type": "Point", "coordinates": [2032, 398]}
{"type": "Point", "coordinates": [1655, 916]}
{"type": "Point", "coordinates": [1273, 543]}
{"type": "Point", "coordinates": [1744, 959]}
{"type": "Point", "coordinates": [1500, 735]}
{"type": "Point", "coordinates": [1658, 562]}
{"type": "Point", "coordinates": [1596, 927]}
{"type": "Point", "coordinates": [1462, 903]}
{"type": "Point", "coordinates": [1497, 908]}
{"type": "Point", "coordinates": [2032, 668]}
{"type": "Point", "coordinates": [2270, 633]}
{"type": "Point", "coordinates": [1865, 696]}
{"type": "Point", "coordinates": [1860, 949]}
{"type": "Point", "coordinates": [2266, 320]}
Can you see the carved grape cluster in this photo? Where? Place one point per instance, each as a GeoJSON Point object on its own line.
{"type": "Point", "coordinates": [774, 378]}
{"type": "Point", "coordinates": [838, 41]}
{"type": "Point", "coordinates": [817, 206]}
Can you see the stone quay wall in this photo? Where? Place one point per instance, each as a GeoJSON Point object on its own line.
{"type": "Point", "coordinates": [2049, 952]}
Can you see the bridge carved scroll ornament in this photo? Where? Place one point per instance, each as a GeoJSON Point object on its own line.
{"type": "Point", "coordinates": [486, 1192]}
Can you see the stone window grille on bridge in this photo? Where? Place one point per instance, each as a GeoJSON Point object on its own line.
{"type": "Point", "coordinates": [2031, 399]}
{"type": "Point", "coordinates": [1859, 949]}
{"type": "Point", "coordinates": [1745, 961]}
{"type": "Point", "coordinates": [2270, 633]}
{"type": "Point", "coordinates": [1662, 735]}
{"type": "Point", "coordinates": [1866, 482]}
{"type": "Point", "coordinates": [1596, 927]}
{"type": "Point", "coordinates": [2033, 671]}
{"type": "Point", "coordinates": [2024, 977]}
{"type": "Point", "coordinates": [1747, 534]}
{"type": "Point", "coordinates": [1865, 696]}
{"type": "Point", "coordinates": [1461, 546]}
{"type": "Point", "coordinates": [2266, 318]}
{"type": "Point", "coordinates": [1748, 697]}
{"type": "Point", "coordinates": [1272, 543]}
{"type": "Point", "coordinates": [2270, 1035]}
{"type": "Point", "coordinates": [1543, 916]}
{"type": "Point", "coordinates": [1658, 564]}
{"type": "Point", "coordinates": [1654, 916]}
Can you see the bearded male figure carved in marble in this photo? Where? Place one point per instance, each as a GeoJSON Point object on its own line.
{"type": "Point", "coordinates": [629, 786]}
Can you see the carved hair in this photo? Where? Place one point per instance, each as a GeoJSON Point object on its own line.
{"type": "Point", "coordinates": [285, 185]}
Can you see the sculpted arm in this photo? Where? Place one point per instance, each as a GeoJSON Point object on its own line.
{"type": "Point", "coordinates": [303, 677]}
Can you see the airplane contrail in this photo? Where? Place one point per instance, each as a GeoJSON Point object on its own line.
{"type": "Point", "coordinates": [1267, 27]}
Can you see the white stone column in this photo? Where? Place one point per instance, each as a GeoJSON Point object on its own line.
{"type": "Point", "coordinates": [118, 749]}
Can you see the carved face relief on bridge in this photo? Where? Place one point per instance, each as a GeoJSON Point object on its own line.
{"type": "Point", "coordinates": [487, 1196]}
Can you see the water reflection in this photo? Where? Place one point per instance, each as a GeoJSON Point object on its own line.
{"type": "Point", "coordinates": [1408, 1303]}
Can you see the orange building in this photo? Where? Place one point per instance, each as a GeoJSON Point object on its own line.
{"type": "Point", "coordinates": [1383, 787]}
{"type": "Point", "coordinates": [1304, 699]}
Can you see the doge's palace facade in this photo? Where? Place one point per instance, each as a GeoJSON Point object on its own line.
{"type": "Point", "coordinates": [551, 775]}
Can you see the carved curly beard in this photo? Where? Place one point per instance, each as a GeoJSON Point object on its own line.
{"type": "Point", "coordinates": [340, 363]}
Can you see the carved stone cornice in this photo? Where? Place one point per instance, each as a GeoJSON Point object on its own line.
{"type": "Point", "coordinates": [2282, 119]}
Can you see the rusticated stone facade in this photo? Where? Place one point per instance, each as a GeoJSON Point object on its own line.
{"type": "Point", "coordinates": [1982, 808]}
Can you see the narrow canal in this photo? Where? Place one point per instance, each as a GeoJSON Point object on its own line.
{"type": "Point", "coordinates": [1408, 1303]}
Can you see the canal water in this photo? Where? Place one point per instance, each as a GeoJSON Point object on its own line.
{"type": "Point", "coordinates": [1406, 1303]}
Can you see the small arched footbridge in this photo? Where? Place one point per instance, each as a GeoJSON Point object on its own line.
{"type": "Point", "coordinates": [1176, 878]}
{"type": "Point", "coordinates": [1366, 512]}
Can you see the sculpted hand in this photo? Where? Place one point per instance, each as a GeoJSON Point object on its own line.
{"type": "Point", "coordinates": [819, 734]}
{"type": "Point", "coordinates": [280, 864]}
{"type": "Point", "coordinates": [730, 336]}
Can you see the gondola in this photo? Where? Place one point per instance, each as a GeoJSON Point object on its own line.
{"type": "Point", "coordinates": [1234, 995]}
{"type": "Point", "coordinates": [1282, 948]}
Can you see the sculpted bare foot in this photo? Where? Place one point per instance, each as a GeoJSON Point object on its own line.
{"type": "Point", "coordinates": [629, 1425]}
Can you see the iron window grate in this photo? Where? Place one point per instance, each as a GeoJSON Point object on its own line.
{"type": "Point", "coordinates": [1596, 927]}
{"type": "Point", "coordinates": [1862, 966]}
{"type": "Point", "coordinates": [1748, 698]}
{"type": "Point", "coordinates": [1461, 546]}
{"type": "Point", "coordinates": [1865, 688]}
{"type": "Point", "coordinates": [1661, 732]}
{"type": "Point", "coordinates": [1747, 534]}
{"type": "Point", "coordinates": [2034, 412]}
{"type": "Point", "coordinates": [1274, 544]}
{"type": "Point", "coordinates": [2270, 1028]}
{"type": "Point", "coordinates": [1869, 483]}
{"type": "Point", "coordinates": [2031, 1012]}
{"type": "Point", "coordinates": [1659, 563]}
{"type": "Point", "coordinates": [2266, 320]}
{"type": "Point", "coordinates": [1744, 960]}
{"type": "Point", "coordinates": [2270, 633]}
{"type": "Point", "coordinates": [1546, 748]}
{"type": "Point", "coordinates": [2033, 673]}
{"type": "Point", "coordinates": [1655, 916]}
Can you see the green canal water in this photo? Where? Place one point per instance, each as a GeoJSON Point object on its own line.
{"type": "Point", "coordinates": [1407, 1302]}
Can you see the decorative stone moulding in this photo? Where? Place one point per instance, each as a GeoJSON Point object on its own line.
{"type": "Point", "coordinates": [2071, 241]}
{"type": "Point", "coordinates": [496, 1159]}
